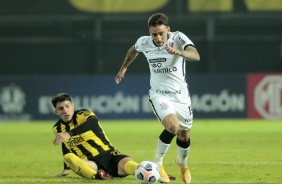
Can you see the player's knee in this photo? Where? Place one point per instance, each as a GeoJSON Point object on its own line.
{"type": "Point", "coordinates": [183, 138]}
{"type": "Point", "coordinates": [183, 135]}
{"type": "Point", "coordinates": [171, 123]}
{"type": "Point", "coordinates": [68, 158]}
{"type": "Point", "coordinates": [173, 128]}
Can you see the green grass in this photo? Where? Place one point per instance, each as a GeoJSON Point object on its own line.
{"type": "Point", "coordinates": [222, 151]}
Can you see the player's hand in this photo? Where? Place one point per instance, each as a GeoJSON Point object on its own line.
{"type": "Point", "coordinates": [103, 175]}
{"type": "Point", "coordinates": [63, 173]}
{"type": "Point", "coordinates": [172, 50]}
{"type": "Point", "coordinates": [120, 75]}
{"type": "Point", "coordinates": [61, 137]}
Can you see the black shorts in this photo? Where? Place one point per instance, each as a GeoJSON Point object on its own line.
{"type": "Point", "coordinates": [109, 160]}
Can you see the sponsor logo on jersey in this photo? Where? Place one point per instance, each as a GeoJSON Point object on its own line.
{"type": "Point", "coordinates": [157, 60]}
{"type": "Point", "coordinates": [75, 141]}
{"type": "Point", "coordinates": [156, 65]}
{"type": "Point", "coordinates": [166, 92]}
{"type": "Point", "coordinates": [181, 40]}
{"type": "Point", "coordinates": [164, 70]}
{"type": "Point", "coordinates": [86, 112]}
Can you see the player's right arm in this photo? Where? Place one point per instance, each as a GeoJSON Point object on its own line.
{"type": "Point", "coordinates": [66, 169]}
{"type": "Point", "coordinates": [132, 53]}
{"type": "Point", "coordinates": [63, 173]}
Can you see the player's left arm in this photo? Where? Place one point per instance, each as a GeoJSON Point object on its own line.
{"type": "Point", "coordinates": [190, 53]}
{"type": "Point", "coordinates": [66, 170]}
{"type": "Point", "coordinates": [183, 46]}
{"type": "Point", "coordinates": [89, 124]}
{"type": "Point", "coordinates": [84, 127]}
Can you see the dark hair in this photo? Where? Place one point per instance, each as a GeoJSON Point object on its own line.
{"type": "Point", "coordinates": [157, 19]}
{"type": "Point", "coordinates": [60, 98]}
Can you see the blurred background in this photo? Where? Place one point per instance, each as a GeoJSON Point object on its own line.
{"type": "Point", "coordinates": [78, 46]}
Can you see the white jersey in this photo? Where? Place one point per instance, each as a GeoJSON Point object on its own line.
{"type": "Point", "coordinates": [167, 70]}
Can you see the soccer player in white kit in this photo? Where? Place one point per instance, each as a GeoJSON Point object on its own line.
{"type": "Point", "coordinates": [167, 53]}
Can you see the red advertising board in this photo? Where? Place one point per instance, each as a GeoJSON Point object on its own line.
{"type": "Point", "coordinates": [264, 96]}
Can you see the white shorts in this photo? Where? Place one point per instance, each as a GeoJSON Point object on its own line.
{"type": "Point", "coordinates": [164, 105]}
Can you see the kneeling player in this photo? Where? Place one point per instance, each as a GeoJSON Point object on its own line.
{"type": "Point", "coordinates": [86, 149]}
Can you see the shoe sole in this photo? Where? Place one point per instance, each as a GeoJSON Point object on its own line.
{"type": "Point", "coordinates": [164, 180]}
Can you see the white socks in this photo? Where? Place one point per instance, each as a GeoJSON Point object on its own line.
{"type": "Point", "coordinates": [183, 155]}
{"type": "Point", "coordinates": [160, 152]}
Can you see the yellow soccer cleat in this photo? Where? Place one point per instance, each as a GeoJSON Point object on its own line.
{"type": "Point", "coordinates": [163, 176]}
{"type": "Point", "coordinates": [185, 173]}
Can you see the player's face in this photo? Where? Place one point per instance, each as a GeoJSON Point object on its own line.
{"type": "Point", "coordinates": [65, 110]}
{"type": "Point", "coordinates": [159, 34]}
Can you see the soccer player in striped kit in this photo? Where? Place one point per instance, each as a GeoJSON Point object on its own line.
{"type": "Point", "coordinates": [167, 53]}
{"type": "Point", "coordinates": [86, 149]}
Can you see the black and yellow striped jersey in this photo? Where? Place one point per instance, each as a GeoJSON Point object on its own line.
{"type": "Point", "coordinates": [88, 138]}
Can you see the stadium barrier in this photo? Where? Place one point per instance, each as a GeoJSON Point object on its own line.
{"type": "Point", "coordinates": [213, 96]}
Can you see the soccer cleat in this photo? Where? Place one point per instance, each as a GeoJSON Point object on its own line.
{"type": "Point", "coordinates": [185, 173]}
{"type": "Point", "coordinates": [103, 175]}
{"type": "Point", "coordinates": [163, 176]}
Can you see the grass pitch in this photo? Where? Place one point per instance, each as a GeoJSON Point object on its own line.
{"type": "Point", "coordinates": [222, 151]}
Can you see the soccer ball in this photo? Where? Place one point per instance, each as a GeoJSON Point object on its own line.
{"type": "Point", "coordinates": [147, 172]}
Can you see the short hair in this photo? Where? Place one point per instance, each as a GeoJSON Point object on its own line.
{"type": "Point", "coordinates": [60, 98]}
{"type": "Point", "coordinates": [157, 19]}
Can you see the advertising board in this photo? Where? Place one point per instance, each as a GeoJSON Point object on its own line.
{"type": "Point", "coordinates": [213, 96]}
{"type": "Point", "coordinates": [265, 96]}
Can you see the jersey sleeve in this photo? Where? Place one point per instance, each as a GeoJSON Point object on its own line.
{"type": "Point", "coordinates": [183, 41]}
{"type": "Point", "coordinates": [84, 114]}
{"type": "Point", "coordinates": [139, 44]}
{"type": "Point", "coordinates": [84, 127]}
{"type": "Point", "coordinates": [54, 129]}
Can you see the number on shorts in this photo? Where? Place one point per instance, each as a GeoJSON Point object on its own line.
{"type": "Point", "coordinates": [190, 110]}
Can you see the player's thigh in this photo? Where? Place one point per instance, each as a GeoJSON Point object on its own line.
{"type": "Point", "coordinates": [161, 107]}
{"type": "Point", "coordinates": [171, 123]}
{"type": "Point", "coordinates": [183, 135]}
